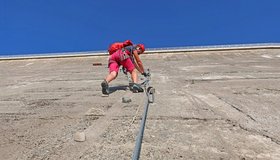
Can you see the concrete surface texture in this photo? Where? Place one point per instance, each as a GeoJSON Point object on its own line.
{"type": "Point", "coordinates": [208, 105]}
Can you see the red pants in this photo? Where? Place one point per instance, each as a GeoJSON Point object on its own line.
{"type": "Point", "coordinates": [120, 58]}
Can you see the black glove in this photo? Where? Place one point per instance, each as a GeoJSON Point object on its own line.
{"type": "Point", "coordinates": [145, 74]}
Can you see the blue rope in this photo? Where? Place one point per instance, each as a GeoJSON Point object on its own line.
{"type": "Point", "coordinates": [137, 149]}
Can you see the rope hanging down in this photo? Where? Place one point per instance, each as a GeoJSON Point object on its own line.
{"type": "Point", "coordinates": [149, 99]}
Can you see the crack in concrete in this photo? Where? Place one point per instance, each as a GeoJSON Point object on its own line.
{"type": "Point", "coordinates": [208, 119]}
{"type": "Point", "coordinates": [275, 140]}
{"type": "Point", "coordinates": [183, 118]}
{"type": "Point", "coordinates": [229, 79]}
{"type": "Point", "coordinates": [236, 108]}
{"type": "Point", "coordinates": [273, 90]}
{"type": "Point", "coordinates": [170, 118]}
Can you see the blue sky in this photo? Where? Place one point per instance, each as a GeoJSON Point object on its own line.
{"type": "Point", "coordinates": [48, 26]}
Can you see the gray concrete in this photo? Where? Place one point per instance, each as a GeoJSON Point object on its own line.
{"type": "Point", "coordinates": [208, 105]}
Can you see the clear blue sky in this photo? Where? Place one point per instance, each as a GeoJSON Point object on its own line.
{"type": "Point", "coordinates": [45, 26]}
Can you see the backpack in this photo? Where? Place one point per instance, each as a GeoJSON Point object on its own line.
{"type": "Point", "coordinates": [118, 45]}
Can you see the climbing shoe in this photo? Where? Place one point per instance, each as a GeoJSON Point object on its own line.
{"type": "Point", "coordinates": [137, 88]}
{"type": "Point", "coordinates": [105, 87]}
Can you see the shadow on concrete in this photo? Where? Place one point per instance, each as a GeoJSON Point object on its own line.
{"type": "Point", "coordinates": [117, 88]}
